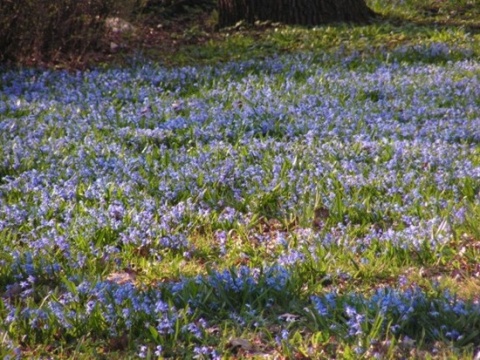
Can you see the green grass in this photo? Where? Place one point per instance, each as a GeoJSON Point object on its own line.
{"type": "Point", "coordinates": [127, 205]}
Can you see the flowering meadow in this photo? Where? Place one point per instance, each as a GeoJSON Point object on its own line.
{"type": "Point", "coordinates": [299, 206]}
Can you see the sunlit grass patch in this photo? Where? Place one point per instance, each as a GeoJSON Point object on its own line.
{"type": "Point", "coordinates": [462, 12]}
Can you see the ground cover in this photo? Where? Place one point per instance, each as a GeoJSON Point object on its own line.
{"type": "Point", "coordinates": [315, 204]}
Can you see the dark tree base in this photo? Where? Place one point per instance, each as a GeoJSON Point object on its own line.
{"type": "Point", "coordinates": [300, 12]}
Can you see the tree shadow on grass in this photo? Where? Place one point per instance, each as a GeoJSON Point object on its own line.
{"type": "Point", "coordinates": [440, 23]}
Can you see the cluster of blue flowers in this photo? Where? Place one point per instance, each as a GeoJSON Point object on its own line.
{"type": "Point", "coordinates": [403, 311]}
{"type": "Point", "coordinates": [98, 165]}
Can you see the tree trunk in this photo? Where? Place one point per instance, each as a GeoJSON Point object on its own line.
{"type": "Point", "coordinates": [300, 12]}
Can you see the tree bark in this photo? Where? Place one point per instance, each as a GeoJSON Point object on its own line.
{"type": "Point", "coordinates": [300, 12]}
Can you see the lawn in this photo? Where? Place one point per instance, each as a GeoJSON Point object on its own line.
{"type": "Point", "coordinates": [318, 197]}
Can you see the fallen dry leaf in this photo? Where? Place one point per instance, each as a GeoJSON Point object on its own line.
{"type": "Point", "coordinates": [122, 278]}
{"type": "Point", "coordinates": [237, 344]}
